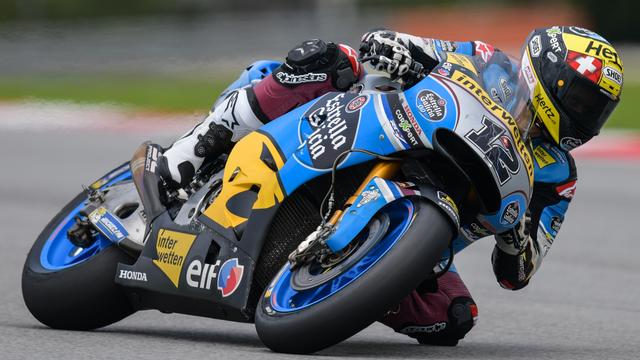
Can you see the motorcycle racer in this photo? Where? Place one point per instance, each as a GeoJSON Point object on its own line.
{"type": "Point", "coordinates": [571, 79]}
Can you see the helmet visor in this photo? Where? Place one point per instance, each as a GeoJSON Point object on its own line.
{"type": "Point", "coordinates": [588, 105]}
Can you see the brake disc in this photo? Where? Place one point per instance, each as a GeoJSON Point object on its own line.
{"type": "Point", "coordinates": [313, 274]}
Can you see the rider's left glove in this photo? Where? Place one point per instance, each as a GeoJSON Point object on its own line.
{"type": "Point", "coordinates": [515, 256]}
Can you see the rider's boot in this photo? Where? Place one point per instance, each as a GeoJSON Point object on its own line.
{"type": "Point", "coordinates": [311, 69]}
{"type": "Point", "coordinates": [439, 314]}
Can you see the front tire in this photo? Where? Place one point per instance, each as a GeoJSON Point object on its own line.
{"type": "Point", "coordinates": [366, 298]}
{"type": "Point", "coordinates": [81, 295]}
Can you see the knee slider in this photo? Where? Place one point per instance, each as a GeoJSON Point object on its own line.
{"type": "Point", "coordinates": [463, 313]}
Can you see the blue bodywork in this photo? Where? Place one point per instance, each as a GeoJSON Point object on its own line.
{"type": "Point", "coordinates": [58, 252]}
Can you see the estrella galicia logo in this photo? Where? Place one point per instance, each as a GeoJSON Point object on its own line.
{"type": "Point", "coordinates": [333, 127]}
{"type": "Point", "coordinates": [230, 277]}
{"type": "Point", "coordinates": [511, 213]}
{"type": "Point", "coordinates": [431, 106]}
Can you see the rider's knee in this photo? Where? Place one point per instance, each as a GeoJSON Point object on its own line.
{"type": "Point", "coordinates": [462, 315]}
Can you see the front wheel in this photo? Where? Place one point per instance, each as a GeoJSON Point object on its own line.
{"type": "Point", "coordinates": [68, 287]}
{"type": "Point", "coordinates": [304, 321]}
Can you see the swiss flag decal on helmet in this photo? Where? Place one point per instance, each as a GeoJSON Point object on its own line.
{"type": "Point", "coordinates": [587, 65]}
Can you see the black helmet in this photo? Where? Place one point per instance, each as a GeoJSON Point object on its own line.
{"type": "Point", "coordinates": [574, 78]}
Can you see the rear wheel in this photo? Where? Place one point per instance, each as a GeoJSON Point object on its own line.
{"type": "Point", "coordinates": [339, 305]}
{"type": "Point", "coordinates": [68, 287]}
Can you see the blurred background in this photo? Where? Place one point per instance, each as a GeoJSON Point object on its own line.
{"type": "Point", "coordinates": [175, 56]}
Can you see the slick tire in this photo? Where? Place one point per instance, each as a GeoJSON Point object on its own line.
{"type": "Point", "coordinates": [369, 297]}
{"type": "Point", "coordinates": [81, 297]}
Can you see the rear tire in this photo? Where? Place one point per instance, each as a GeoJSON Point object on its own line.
{"type": "Point", "coordinates": [81, 297]}
{"type": "Point", "coordinates": [367, 298]}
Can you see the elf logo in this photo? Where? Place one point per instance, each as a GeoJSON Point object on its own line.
{"type": "Point", "coordinates": [230, 277]}
{"type": "Point", "coordinates": [200, 275]}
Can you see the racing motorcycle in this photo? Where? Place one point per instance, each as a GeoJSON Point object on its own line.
{"type": "Point", "coordinates": [313, 227]}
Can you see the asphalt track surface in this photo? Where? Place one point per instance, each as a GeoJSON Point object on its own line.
{"type": "Point", "coordinates": [582, 304]}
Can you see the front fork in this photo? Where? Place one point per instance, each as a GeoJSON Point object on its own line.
{"type": "Point", "coordinates": [384, 169]}
{"type": "Point", "coordinates": [381, 170]}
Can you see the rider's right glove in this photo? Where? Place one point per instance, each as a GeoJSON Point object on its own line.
{"type": "Point", "coordinates": [399, 54]}
{"type": "Point", "coordinates": [387, 53]}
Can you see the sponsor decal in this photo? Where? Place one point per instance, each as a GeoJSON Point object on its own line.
{"type": "Point", "coordinates": [333, 127]}
{"type": "Point", "coordinates": [445, 69]}
{"type": "Point", "coordinates": [405, 120]}
{"type": "Point", "coordinates": [396, 132]}
{"type": "Point", "coordinates": [546, 106]}
{"type": "Point", "coordinates": [587, 65]}
{"type": "Point", "coordinates": [528, 75]}
{"type": "Point", "coordinates": [603, 51]}
{"type": "Point", "coordinates": [108, 224]}
{"type": "Point", "coordinates": [286, 78]}
{"type": "Point", "coordinates": [553, 33]}
{"type": "Point", "coordinates": [427, 329]}
{"type": "Point", "coordinates": [405, 126]}
{"type": "Point", "coordinates": [463, 61]}
{"type": "Point", "coordinates": [612, 74]}
{"type": "Point", "coordinates": [494, 95]}
{"type": "Point", "coordinates": [547, 112]}
{"type": "Point", "coordinates": [583, 32]}
{"type": "Point", "coordinates": [172, 248]}
{"type": "Point", "coordinates": [132, 275]}
{"type": "Point", "coordinates": [448, 204]}
{"type": "Point", "coordinates": [511, 213]}
{"type": "Point", "coordinates": [506, 119]}
{"type": "Point", "coordinates": [151, 159]}
{"type": "Point", "coordinates": [535, 46]}
{"type": "Point", "coordinates": [475, 231]}
{"type": "Point", "coordinates": [556, 223]}
{"type": "Point", "coordinates": [506, 89]}
{"type": "Point", "coordinates": [469, 234]}
{"type": "Point", "coordinates": [431, 106]}
{"type": "Point", "coordinates": [567, 190]}
{"type": "Point", "coordinates": [357, 103]}
{"type": "Point", "coordinates": [200, 274]}
{"type": "Point", "coordinates": [569, 143]}
{"type": "Point", "coordinates": [367, 196]}
{"type": "Point", "coordinates": [551, 56]}
{"type": "Point", "coordinates": [543, 158]}
{"type": "Point", "coordinates": [230, 277]}
{"type": "Point", "coordinates": [448, 46]}
{"type": "Point", "coordinates": [484, 50]}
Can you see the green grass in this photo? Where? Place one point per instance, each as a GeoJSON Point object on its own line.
{"type": "Point", "coordinates": [166, 93]}
{"type": "Point", "coordinates": [624, 116]}
{"type": "Point", "coordinates": [188, 93]}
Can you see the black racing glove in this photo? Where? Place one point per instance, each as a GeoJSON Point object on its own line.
{"type": "Point", "coordinates": [515, 256]}
{"type": "Point", "coordinates": [317, 61]}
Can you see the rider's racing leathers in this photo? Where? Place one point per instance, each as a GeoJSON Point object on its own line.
{"type": "Point", "coordinates": [437, 312]}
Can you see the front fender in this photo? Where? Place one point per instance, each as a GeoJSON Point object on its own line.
{"type": "Point", "coordinates": [376, 195]}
